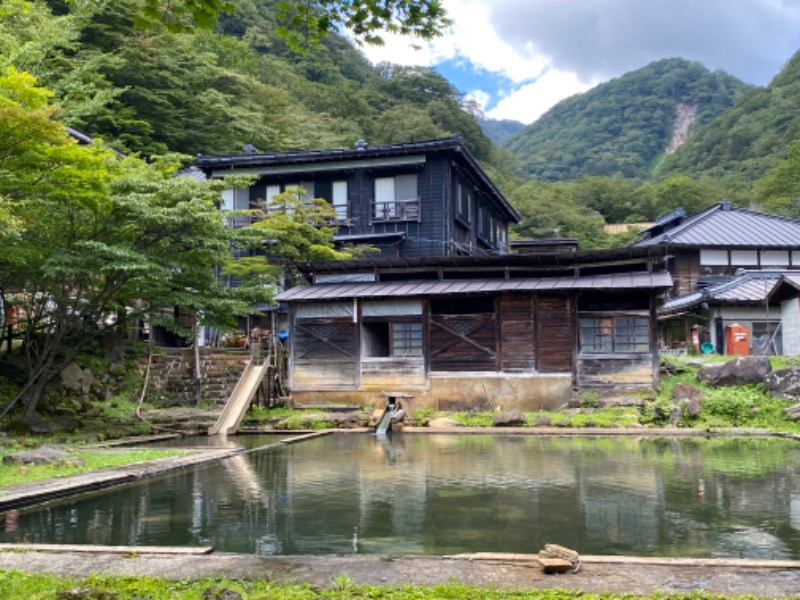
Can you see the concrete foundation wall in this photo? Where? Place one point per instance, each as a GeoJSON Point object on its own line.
{"type": "Point", "coordinates": [460, 391]}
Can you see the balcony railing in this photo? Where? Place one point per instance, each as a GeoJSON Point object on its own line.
{"type": "Point", "coordinates": [396, 210]}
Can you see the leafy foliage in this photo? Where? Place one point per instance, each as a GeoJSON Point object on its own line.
{"type": "Point", "coordinates": [104, 240]}
{"type": "Point", "coordinates": [750, 138]}
{"type": "Point", "coordinates": [549, 210]}
{"type": "Point", "coordinates": [306, 23]}
{"type": "Point", "coordinates": [778, 191]}
{"type": "Point", "coordinates": [211, 91]}
{"type": "Point", "coordinates": [500, 130]}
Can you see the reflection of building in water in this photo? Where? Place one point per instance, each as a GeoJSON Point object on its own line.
{"type": "Point", "coordinates": [621, 503]}
{"type": "Point", "coordinates": [443, 494]}
{"type": "Point", "coordinates": [391, 501]}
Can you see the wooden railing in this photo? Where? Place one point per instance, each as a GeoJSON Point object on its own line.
{"type": "Point", "coordinates": [396, 210]}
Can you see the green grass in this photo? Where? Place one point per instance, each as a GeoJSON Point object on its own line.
{"type": "Point", "coordinates": [15, 584]}
{"type": "Point", "coordinates": [93, 460]}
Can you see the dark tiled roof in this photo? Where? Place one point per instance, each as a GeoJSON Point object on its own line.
{"type": "Point", "coordinates": [669, 217]}
{"type": "Point", "coordinates": [416, 288]}
{"type": "Point", "coordinates": [364, 152]}
{"type": "Point", "coordinates": [723, 226]}
{"type": "Point", "coordinates": [787, 287]}
{"type": "Point", "coordinates": [752, 288]}
{"type": "Point", "coordinates": [192, 173]}
{"type": "Point", "coordinates": [81, 137]}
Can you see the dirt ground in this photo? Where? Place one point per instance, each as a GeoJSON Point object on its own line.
{"type": "Point", "coordinates": [620, 575]}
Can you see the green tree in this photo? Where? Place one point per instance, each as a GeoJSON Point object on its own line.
{"type": "Point", "coordinates": [287, 230]}
{"type": "Point", "coordinates": [306, 23]}
{"type": "Point", "coordinates": [684, 192]}
{"type": "Point", "coordinates": [106, 241]}
{"type": "Point", "coordinates": [779, 190]}
{"type": "Point", "coordinates": [616, 199]}
{"type": "Point", "coordinates": [34, 40]}
{"type": "Point", "coordinates": [548, 211]}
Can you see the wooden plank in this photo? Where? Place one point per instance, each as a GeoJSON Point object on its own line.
{"type": "Point", "coordinates": [517, 333]}
{"type": "Point", "coordinates": [555, 565]}
{"type": "Point", "coordinates": [463, 342]}
{"type": "Point", "coordinates": [554, 333]}
{"type": "Point", "coordinates": [90, 548]}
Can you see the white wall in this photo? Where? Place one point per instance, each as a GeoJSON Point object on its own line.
{"type": "Point", "coordinates": [790, 316]}
{"type": "Point", "coordinates": [742, 315]}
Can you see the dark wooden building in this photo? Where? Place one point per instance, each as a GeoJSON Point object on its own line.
{"type": "Point", "coordinates": [417, 199]}
{"type": "Point", "coordinates": [515, 331]}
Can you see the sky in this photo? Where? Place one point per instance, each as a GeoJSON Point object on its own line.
{"type": "Point", "coordinates": [517, 58]}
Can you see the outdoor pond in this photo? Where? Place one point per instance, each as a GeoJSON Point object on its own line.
{"type": "Point", "coordinates": [445, 494]}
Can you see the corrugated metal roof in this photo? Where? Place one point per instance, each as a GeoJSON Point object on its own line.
{"type": "Point", "coordinates": [721, 225]}
{"type": "Point", "coordinates": [392, 289]}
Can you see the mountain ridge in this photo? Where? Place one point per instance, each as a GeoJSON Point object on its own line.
{"type": "Point", "coordinates": [623, 127]}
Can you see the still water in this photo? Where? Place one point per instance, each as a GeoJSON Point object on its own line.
{"type": "Point", "coordinates": [444, 494]}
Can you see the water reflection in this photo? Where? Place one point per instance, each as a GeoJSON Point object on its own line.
{"type": "Point", "coordinates": [442, 494]}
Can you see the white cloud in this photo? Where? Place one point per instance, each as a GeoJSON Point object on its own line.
{"type": "Point", "coordinates": [550, 50]}
{"type": "Point", "coordinates": [531, 100]}
{"type": "Point", "coordinates": [480, 98]}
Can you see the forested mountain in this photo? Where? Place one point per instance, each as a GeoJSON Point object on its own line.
{"type": "Point", "coordinates": [747, 140]}
{"type": "Point", "coordinates": [154, 91]}
{"type": "Point", "coordinates": [500, 130]}
{"type": "Point", "coordinates": [623, 127]}
{"type": "Point", "coordinates": [596, 157]}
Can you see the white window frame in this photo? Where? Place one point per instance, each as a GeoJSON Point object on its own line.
{"type": "Point", "coordinates": [393, 201]}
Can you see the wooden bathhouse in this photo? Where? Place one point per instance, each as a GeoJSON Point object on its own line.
{"type": "Point", "coordinates": [494, 332]}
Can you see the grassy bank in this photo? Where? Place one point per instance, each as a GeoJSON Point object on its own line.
{"type": "Point", "coordinates": [14, 584]}
{"type": "Point", "coordinates": [717, 408]}
{"type": "Point", "coordinates": [77, 461]}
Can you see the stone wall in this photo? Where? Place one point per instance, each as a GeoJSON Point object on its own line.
{"type": "Point", "coordinates": [172, 375]}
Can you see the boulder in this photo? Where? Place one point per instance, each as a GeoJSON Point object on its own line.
{"type": "Point", "coordinates": [77, 380]}
{"type": "Point", "coordinates": [741, 371]}
{"type": "Point", "coordinates": [675, 414]}
{"type": "Point", "coordinates": [37, 425]}
{"type": "Point", "coordinates": [784, 383]}
{"type": "Point", "coordinates": [220, 593]}
{"type": "Point", "coordinates": [688, 397]}
{"type": "Point", "coordinates": [42, 456]}
{"type": "Point", "coordinates": [510, 418]}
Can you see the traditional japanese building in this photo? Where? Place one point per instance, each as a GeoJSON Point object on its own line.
{"type": "Point", "coordinates": [417, 199]}
{"type": "Point", "coordinates": [515, 331]}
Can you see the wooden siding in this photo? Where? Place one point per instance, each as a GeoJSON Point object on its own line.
{"type": "Point", "coordinates": [554, 334]}
{"type": "Point", "coordinates": [430, 236]}
{"type": "Point", "coordinates": [617, 371]}
{"type": "Point", "coordinates": [392, 373]}
{"type": "Point", "coordinates": [685, 271]}
{"type": "Point", "coordinates": [325, 353]}
{"type": "Point", "coordinates": [518, 333]}
{"type": "Point", "coordinates": [463, 342]}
